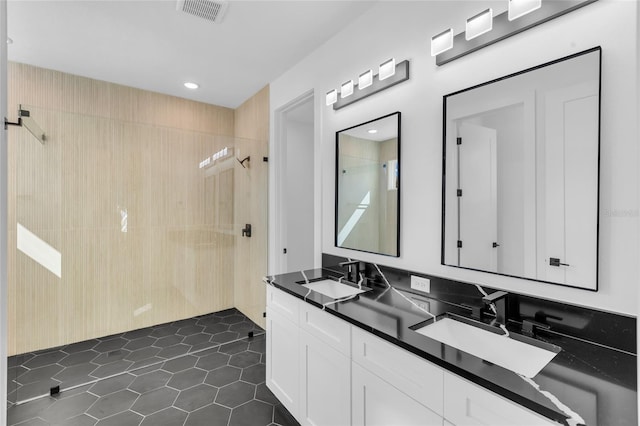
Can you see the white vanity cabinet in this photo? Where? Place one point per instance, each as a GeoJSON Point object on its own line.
{"type": "Point", "coordinates": [329, 373]}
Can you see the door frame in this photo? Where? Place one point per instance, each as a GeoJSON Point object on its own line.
{"type": "Point", "coordinates": [278, 175]}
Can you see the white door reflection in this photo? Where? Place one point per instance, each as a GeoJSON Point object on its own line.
{"type": "Point", "coordinates": [39, 250]}
{"type": "Point", "coordinates": [478, 208]}
{"type": "Point", "coordinates": [355, 217]}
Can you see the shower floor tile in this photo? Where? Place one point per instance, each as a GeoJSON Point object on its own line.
{"type": "Point", "coordinates": [220, 383]}
{"type": "Point", "coordinates": [35, 373]}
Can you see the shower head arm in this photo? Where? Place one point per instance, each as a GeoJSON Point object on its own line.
{"type": "Point", "coordinates": [8, 123]}
{"type": "Point", "coordinates": [247, 158]}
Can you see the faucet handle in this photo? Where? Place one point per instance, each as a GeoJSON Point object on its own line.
{"type": "Point", "coordinates": [498, 301]}
{"type": "Point", "coordinates": [494, 297]}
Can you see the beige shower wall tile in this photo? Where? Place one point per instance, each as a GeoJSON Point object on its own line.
{"type": "Point", "coordinates": [72, 309]}
{"type": "Point", "coordinates": [73, 195]}
{"type": "Point", "coordinates": [113, 150]}
{"type": "Point", "coordinates": [37, 171]}
{"type": "Point", "coordinates": [30, 85]}
{"type": "Point", "coordinates": [38, 298]}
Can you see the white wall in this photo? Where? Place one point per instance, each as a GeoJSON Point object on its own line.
{"type": "Point", "coordinates": [299, 184]}
{"type": "Point", "coordinates": [403, 30]}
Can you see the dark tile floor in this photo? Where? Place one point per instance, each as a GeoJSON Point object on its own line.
{"type": "Point", "coordinates": [33, 374]}
{"type": "Point", "coordinates": [215, 379]}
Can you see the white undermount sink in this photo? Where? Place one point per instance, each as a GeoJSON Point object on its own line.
{"type": "Point", "coordinates": [519, 357]}
{"type": "Point", "coordinates": [333, 289]}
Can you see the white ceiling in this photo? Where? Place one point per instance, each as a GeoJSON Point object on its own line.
{"type": "Point", "coordinates": [386, 128]}
{"type": "Point", "coordinates": [148, 44]}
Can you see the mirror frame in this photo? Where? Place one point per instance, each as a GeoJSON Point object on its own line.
{"type": "Point", "coordinates": [399, 182]}
{"type": "Point", "coordinates": [444, 171]}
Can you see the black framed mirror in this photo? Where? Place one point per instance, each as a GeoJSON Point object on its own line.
{"type": "Point", "coordinates": [521, 173]}
{"type": "Point", "coordinates": [367, 212]}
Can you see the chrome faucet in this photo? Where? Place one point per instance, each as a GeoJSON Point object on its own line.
{"type": "Point", "coordinates": [499, 300]}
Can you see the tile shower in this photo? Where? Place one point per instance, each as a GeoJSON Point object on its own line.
{"type": "Point", "coordinates": [134, 197]}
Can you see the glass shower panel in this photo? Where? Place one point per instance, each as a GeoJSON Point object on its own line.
{"type": "Point", "coordinates": [251, 200]}
{"type": "Point", "coordinates": [117, 226]}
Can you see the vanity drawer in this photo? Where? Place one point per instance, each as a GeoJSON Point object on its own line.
{"type": "Point", "coordinates": [415, 376]}
{"type": "Point", "coordinates": [285, 304]}
{"type": "Point", "coordinates": [326, 327]}
{"type": "Point", "coordinates": [468, 404]}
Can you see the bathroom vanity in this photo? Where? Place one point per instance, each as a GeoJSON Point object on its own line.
{"type": "Point", "coordinates": [364, 361]}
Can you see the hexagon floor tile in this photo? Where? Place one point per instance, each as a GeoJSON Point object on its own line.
{"type": "Point", "coordinates": [212, 374]}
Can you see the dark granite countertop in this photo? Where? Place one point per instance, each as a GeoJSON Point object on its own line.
{"type": "Point", "coordinates": [595, 381]}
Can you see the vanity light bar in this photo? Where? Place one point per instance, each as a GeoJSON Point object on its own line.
{"type": "Point", "coordinates": [389, 74]}
{"type": "Point", "coordinates": [346, 89]}
{"type": "Point", "coordinates": [519, 8]}
{"type": "Point", "coordinates": [387, 69]}
{"type": "Point", "coordinates": [441, 42]}
{"type": "Point", "coordinates": [519, 17]}
{"type": "Point", "coordinates": [365, 80]}
{"type": "Point", "coordinates": [332, 97]}
{"type": "Point", "coordinates": [479, 24]}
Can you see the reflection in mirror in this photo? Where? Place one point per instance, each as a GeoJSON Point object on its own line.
{"type": "Point", "coordinates": [368, 186]}
{"type": "Point", "coordinates": [521, 174]}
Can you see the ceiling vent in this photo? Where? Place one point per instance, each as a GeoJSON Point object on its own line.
{"type": "Point", "coordinates": [211, 10]}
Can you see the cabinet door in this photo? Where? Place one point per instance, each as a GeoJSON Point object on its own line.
{"type": "Point", "coordinates": [325, 384]}
{"type": "Point", "coordinates": [466, 404]}
{"type": "Point", "coordinates": [415, 376]}
{"type": "Point", "coordinates": [283, 349]}
{"type": "Point", "coordinates": [331, 330]}
{"type": "Point", "coordinates": [377, 403]}
{"type": "Point", "coordinates": [286, 304]}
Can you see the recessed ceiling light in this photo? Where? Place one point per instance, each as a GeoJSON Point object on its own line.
{"type": "Point", "coordinates": [372, 131]}
{"type": "Point", "coordinates": [191, 85]}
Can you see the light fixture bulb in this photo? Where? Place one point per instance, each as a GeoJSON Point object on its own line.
{"type": "Point", "coordinates": [441, 42]}
{"type": "Point", "coordinates": [191, 85]}
{"type": "Point", "coordinates": [372, 131]}
{"type": "Point", "coordinates": [479, 24]}
{"type": "Point", "coordinates": [346, 89]}
{"type": "Point", "coordinates": [519, 8]}
{"type": "Point", "coordinates": [332, 97]}
{"type": "Point", "coordinates": [387, 69]}
{"type": "Point", "coordinates": [365, 80]}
